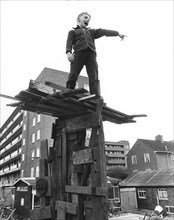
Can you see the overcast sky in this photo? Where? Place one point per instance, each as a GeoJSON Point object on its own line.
{"type": "Point", "coordinates": [136, 75]}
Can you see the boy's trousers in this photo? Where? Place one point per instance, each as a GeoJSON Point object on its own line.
{"type": "Point", "coordinates": [84, 58]}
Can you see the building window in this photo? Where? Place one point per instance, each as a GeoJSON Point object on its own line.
{"type": "Point", "coordinates": [32, 155]}
{"type": "Point", "coordinates": [146, 157]}
{"type": "Point", "coordinates": [24, 127]}
{"type": "Point", "coordinates": [22, 201]}
{"type": "Point", "coordinates": [38, 118]}
{"type": "Point", "coordinates": [33, 137]}
{"type": "Point", "coordinates": [38, 135]}
{"type": "Point", "coordinates": [32, 172]}
{"type": "Point", "coordinates": [149, 169]}
{"type": "Point", "coordinates": [141, 194]}
{"type": "Point", "coordinates": [162, 194]}
{"type": "Point", "coordinates": [23, 142]}
{"type": "Point", "coordinates": [38, 152]}
{"type": "Point", "coordinates": [88, 134]}
{"type": "Point", "coordinates": [34, 121]}
{"type": "Point", "coordinates": [23, 157]}
{"type": "Point", "coordinates": [134, 159]}
{"type": "Point", "coordinates": [86, 86]}
{"type": "Point", "coordinates": [172, 156]}
{"type": "Point", "coordinates": [37, 171]}
{"type": "Point", "coordinates": [170, 209]}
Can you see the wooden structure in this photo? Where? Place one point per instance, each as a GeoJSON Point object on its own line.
{"type": "Point", "coordinates": [72, 182]}
{"type": "Point", "coordinates": [23, 196]}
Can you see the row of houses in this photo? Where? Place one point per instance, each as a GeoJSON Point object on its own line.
{"type": "Point", "coordinates": [151, 175]}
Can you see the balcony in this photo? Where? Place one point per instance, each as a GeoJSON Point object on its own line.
{"type": "Point", "coordinates": [12, 136]}
{"type": "Point", "coordinates": [17, 118]}
{"type": "Point", "coordinates": [116, 161]}
{"type": "Point", "coordinates": [8, 182]}
{"type": "Point", "coordinates": [12, 169]}
{"type": "Point", "coordinates": [15, 144]}
{"type": "Point", "coordinates": [15, 155]}
{"type": "Point", "coordinates": [117, 155]}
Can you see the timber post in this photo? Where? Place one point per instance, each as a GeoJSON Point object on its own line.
{"type": "Point", "coordinates": [80, 171]}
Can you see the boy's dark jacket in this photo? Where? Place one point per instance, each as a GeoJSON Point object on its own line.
{"type": "Point", "coordinates": [80, 39]}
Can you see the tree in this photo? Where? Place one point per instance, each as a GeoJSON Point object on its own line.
{"type": "Point", "coordinates": [118, 172]}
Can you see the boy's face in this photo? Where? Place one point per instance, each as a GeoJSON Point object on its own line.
{"type": "Point", "coordinates": [83, 20]}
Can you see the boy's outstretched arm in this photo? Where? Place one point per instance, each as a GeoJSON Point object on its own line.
{"type": "Point", "coordinates": [122, 36]}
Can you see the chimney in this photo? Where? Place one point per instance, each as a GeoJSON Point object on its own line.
{"type": "Point", "coordinates": [159, 138]}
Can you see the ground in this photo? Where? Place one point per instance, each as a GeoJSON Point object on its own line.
{"type": "Point", "coordinates": [131, 216]}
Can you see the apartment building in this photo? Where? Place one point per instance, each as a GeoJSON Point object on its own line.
{"type": "Point", "coordinates": [10, 148]}
{"type": "Point", "coordinates": [116, 153]}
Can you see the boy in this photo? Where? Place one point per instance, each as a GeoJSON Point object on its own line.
{"type": "Point", "coordinates": [81, 40]}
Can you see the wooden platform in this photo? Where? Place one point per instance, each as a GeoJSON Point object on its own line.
{"type": "Point", "coordinates": [57, 101]}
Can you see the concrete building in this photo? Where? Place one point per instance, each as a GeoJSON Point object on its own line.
{"type": "Point", "coordinates": [10, 148]}
{"type": "Point", "coordinates": [116, 153]}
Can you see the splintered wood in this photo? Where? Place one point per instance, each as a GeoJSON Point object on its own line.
{"type": "Point", "coordinates": [57, 101]}
{"type": "Point", "coordinates": [72, 183]}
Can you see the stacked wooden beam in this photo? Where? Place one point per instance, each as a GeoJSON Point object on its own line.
{"type": "Point", "coordinates": [57, 101]}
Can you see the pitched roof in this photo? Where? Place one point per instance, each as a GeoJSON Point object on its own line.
{"type": "Point", "coordinates": [158, 145]}
{"type": "Point", "coordinates": [150, 178]}
{"type": "Point", "coordinates": [30, 181]}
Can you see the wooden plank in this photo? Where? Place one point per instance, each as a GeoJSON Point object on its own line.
{"type": "Point", "coordinates": [58, 186]}
{"type": "Point", "coordinates": [15, 104]}
{"type": "Point", "coordinates": [64, 157]}
{"type": "Point", "coordinates": [135, 116]}
{"type": "Point", "coordinates": [45, 88]}
{"type": "Point", "coordinates": [41, 213]}
{"type": "Point", "coordinates": [89, 97]}
{"type": "Point", "coordinates": [9, 97]}
{"type": "Point", "coordinates": [65, 91]}
{"type": "Point", "coordinates": [38, 110]}
{"type": "Point", "coordinates": [56, 86]}
{"type": "Point", "coordinates": [80, 123]}
{"type": "Point", "coordinates": [61, 104]}
{"type": "Point", "coordinates": [82, 156]}
{"type": "Point", "coordinates": [79, 103]}
{"type": "Point", "coordinates": [33, 85]}
{"type": "Point", "coordinates": [26, 95]}
{"type": "Point", "coordinates": [45, 108]}
{"type": "Point", "coordinates": [98, 179]}
{"type": "Point", "coordinates": [49, 102]}
{"type": "Point", "coordinates": [70, 207]}
{"type": "Point", "coordinates": [98, 191]}
{"type": "Point", "coordinates": [61, 211]}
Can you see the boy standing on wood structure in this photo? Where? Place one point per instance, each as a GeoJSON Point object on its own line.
{"type": "Point", "coordinates": [82, 41]}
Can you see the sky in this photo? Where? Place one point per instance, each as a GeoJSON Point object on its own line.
{"type": "Point", "coordinates": [136, 75]}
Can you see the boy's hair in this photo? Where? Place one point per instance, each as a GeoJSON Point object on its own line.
{"type": "Point", "coordinates": [83, 13]}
